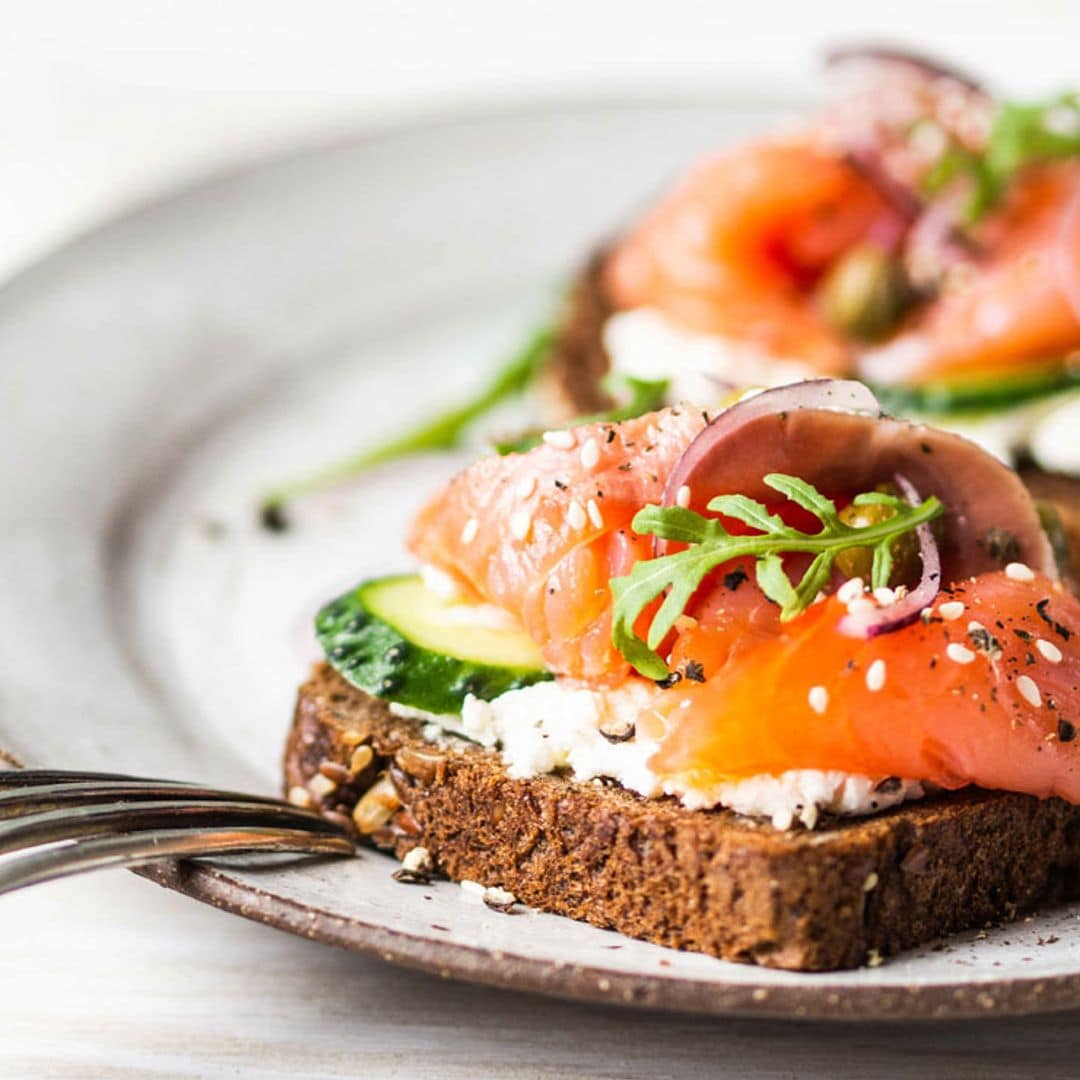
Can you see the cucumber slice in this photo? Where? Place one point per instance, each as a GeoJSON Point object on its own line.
{"type": "Point", "coordinates": [399, 641]}
{"type": "Point", "coordinates": [976, 394]}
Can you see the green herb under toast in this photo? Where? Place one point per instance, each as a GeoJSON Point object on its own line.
{"type": "Point", "coordinates": [711, 545]}
{"type": "Point", "coordinates": [443, 432]}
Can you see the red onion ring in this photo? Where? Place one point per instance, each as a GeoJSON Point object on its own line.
{"type": "Point", "coordinates": [845, 395]}
{"type": "Point", "coordinates": [884, 620]}
{"type": "Point", "coordinates": [886, 54]}
{"type": "Point", "coordinates": [865, 159]}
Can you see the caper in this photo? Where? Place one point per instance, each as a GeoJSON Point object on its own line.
{"type": "Point", "coordinates": [859, 561]}
{"type": "Point", "coordinates": [866, 293]}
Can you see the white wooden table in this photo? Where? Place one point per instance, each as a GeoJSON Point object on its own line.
{"type": "Point", "coordinates": [102, 104]}
{"type": "Point", "coordinates": [114, 977]}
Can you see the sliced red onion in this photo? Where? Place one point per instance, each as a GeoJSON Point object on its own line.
{"type": "Point", "coordinates": [864, 156]}
{"type": "Point", "coordinates": [832, 434]}
{"type": "Point", "coordinates": [884, 620]}
{"type": "Point", "coordinates": [841, 395]}
{"type": "Point", "coordinates": [885, 54]}
{"type": "Point", "coordinates": [935, 243]}
{"type": "Point", "coordinates": [721, 383]}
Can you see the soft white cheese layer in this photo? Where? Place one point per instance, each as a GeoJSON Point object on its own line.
{"type": "Point", "coordinates": [642, 343]}
{"type": "Point", "coordinates": [547, 726]}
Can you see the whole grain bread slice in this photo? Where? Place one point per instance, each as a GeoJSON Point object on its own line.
{"type": "Point", "coordinates": [705, 880]}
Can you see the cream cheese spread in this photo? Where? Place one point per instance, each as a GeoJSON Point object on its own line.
{"type": "Point", "coordinates": [547, 727]}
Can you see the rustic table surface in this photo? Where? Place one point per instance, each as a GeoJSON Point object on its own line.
{"type": "Point", "coordinates": [111, 976]}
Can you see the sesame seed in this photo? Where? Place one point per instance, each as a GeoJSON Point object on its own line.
{"type": "Point", "coordinates": [884, 596]}
{"type": "Point", "coordinates": [520, 525]}
{"type": "Point", "coordinates": [561, 440]}
{"type": "Point", "coordinates": [418, 860]}
{"type": "Point", "coordinates": [682, 496]}
{"type": "Point", "coordinates": [852, 589]}
{"type": "Point", "coordinates": [861, 605]}
{"type": "Point", "coordinates": [1019, 571]}
{"type": "Point", "coordinates": [959, 654]}
{"type": "Point", "coordinates": [300, 796]}
{"type": "Point", "coordinates": [495, 896]}
{"type": "Point", "coordinates": [361, 758]}
{"type": "Point", "coordinates": [1029, 691]}
{"type": "Point", "coordinates": [819, 699]}
{"type": "Point", "coordinates": [320, 786]}
{"type": "Point", "coordinates": [575, 516]}
{"type": "Point", "coordinates": [468, 533]}
{"type": "Point", "coordinates": [875, 676]}
{"type": "Point", "coordinates": [951, 610]}
{"type": "Point", "coordinates": [590, 454]}
{"type": "Point", "coordinates": [871, 882]}
{"type": "Point", "coordinates": [1049, 651]}
{"type": "Point", "coordinates": [527, 486]}
{"type": "Point", "coordinates": [594, 514]}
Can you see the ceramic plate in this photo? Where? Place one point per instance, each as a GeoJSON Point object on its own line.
{"type": "Point", "coordinates": [160, 374]}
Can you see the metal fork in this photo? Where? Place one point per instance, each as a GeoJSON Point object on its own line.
{"type": "Point", "coordinates": [53, 824]}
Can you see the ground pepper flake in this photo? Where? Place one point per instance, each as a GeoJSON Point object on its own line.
{"type": "Point", "coordinates": [735, 578]}
{"type": "Point", "coordinates": [694, 671]}
{"type": "Point", "coordinates": [1062, 632]}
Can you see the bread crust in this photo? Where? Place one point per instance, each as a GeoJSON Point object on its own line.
{"type": "Point", "coordinates": [704, 880]}
{"type": "Point", "coordinates": [571, 383]}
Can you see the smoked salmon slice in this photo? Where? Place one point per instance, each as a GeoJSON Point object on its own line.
{"type": "Point", "coordinates": [737, 246]}
{"type": "Point", "coordinates": [985, 690]}
{"type": "Point", "coordinates": [980, 686]}
{"type": "Point", "coordinates": [744, 247]}
{"type": "Point", "coordinates": [1008, 308]}
{"type": "Point", "coordinates": [540, 534]}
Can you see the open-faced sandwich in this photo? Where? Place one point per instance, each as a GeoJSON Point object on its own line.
{"type": "Point", "coordinates": [915, 234]}
{"type": "Point", "coordinates": [790, 682]}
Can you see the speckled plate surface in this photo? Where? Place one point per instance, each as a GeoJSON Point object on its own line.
{"type": "Point", "coordinates": [158, 375]}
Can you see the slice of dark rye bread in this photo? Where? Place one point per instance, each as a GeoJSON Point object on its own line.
{"type": "Point", "coordinates": [570, 385]}
{"type": "Point", "coordinates": [705, 880]}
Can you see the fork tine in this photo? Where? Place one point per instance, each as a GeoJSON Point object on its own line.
{"type": "Point", "coordinates": [54, 823]}
{"type": "Point", "coordinates": [62, 858]}
{"type": "Point", "coordinates": [19, 800]}
{"type": "Point", "coordinates": [75, 823]}
{"type": "Point", "coordinates": [16, 778]}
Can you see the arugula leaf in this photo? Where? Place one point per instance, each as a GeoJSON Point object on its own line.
{"type": "Point", "coordinates": [1021, 135]}
{"type": "Point", "coordinates": [679, 575]}
{"type": "Point", "coordinates": [642, 396]}
{"type": "Point", "coordinates": [443, 432]}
